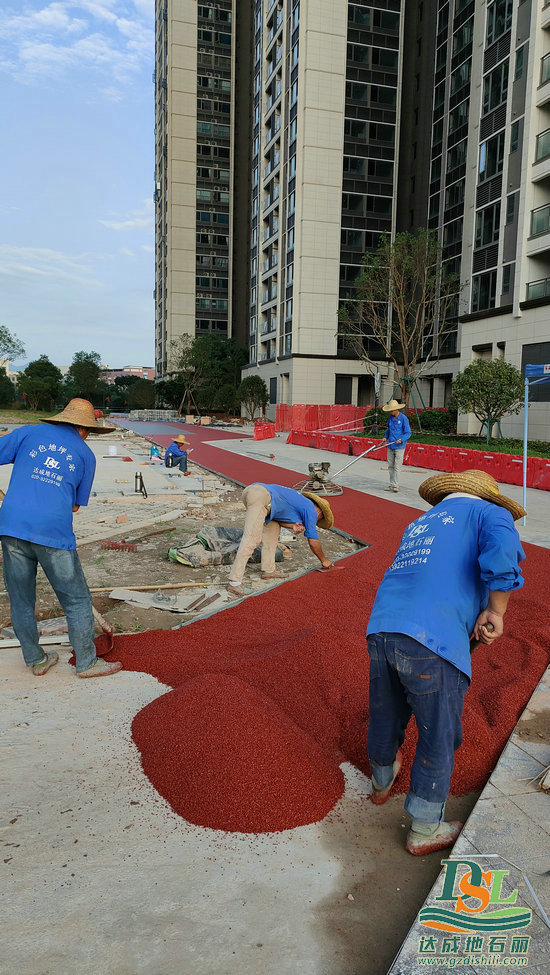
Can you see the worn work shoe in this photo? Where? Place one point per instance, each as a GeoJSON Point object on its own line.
{"type": "Point", "coordinates": [426, 838]}
{"type": "Point", "coordinates": [236, 589]}
{"type": "Point", "coordinates": [379, 795]}
{"type": "Point", "coordinates": [395, 489]}
{"type": "Point", "coordinates": [50, 659]}
{"type": "Point", "coordinates": [101, 668]}
{"type": "Point", "coordinates": [273, 575]}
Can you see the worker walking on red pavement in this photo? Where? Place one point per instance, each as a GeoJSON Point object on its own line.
{"type": "Point", "coordinates": [53, 471]}
{"type": "Point", "coordinates": [268, 508]}
{"type": "Point", "coordinates": [450, 581]}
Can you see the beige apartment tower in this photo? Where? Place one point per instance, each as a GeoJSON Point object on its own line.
{"type": "Point", "coordinates": [199, 287]}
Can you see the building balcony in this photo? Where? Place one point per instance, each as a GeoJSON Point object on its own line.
{"type": "Point", "coordinates": [545, 15]}
{"type": "Point", "coordinates": [538, 289]}
{"type": "Point", "coordinates": [543, 91]}
{"type": "Point", "coordinates": [541, 167]}
{"type": "Point", "coordinates": [268, 327]}
{"type": "Point", "coordinates": [539, 241]}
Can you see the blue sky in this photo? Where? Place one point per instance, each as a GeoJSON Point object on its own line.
{"type": "Point", "coordinates": [77, 177]}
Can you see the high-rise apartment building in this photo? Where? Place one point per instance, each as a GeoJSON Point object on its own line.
{"type": "Point", "coordinates": [326, 118]}
{"type": "Point", "coordinates": [201, 171]}
{"type": "Point", "coordinates": [362, 118]}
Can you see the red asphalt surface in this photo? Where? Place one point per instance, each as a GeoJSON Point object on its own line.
{"type": "Point", "coordinates": [271, 695]}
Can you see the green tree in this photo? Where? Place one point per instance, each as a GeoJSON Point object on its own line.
{"type": "Point", "coordinates": [7, 390]}
{"type": "Point", "coordinates": [226, 398]}
{"type": "Point", "coordinates": [41, 383]}
{"type": "Point", "coordinates": [404, 297]}
{"type": "Point", "coordinates": [82, 378]}
{"type": "Point", "coordinates": [10, 346]}
{"type": "Point", "coordinates": [141, 395]}
{"type": "Point", "coordinates": [490, 389]}
{"type": "Point", "coordinates": [203, 366]}
{"type": "Point", "coordinates": [252, 394]}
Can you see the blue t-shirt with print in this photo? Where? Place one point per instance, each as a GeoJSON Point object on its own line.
{"type": "Point", "coordinates": [291, 506]}
{"type": "Point", "coordinates": [398, 428]}
{"type": "Point", "coordinates": [53, 470]}
{"type": "Point", "coordinates": [173, 450]}
{"type": "Point", "coordinates": [439, 582]}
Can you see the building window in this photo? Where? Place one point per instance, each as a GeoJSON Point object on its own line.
{"type": "Point", "coordinates": [510, 208]}
{"type": "Point", "coordinates": [506, 277]}
{"type": "Point", "coordinates": [519, 63]}
{"type": "Point", "coordinates": [491, 157]}
{"type": "Point", "coordinates": [487, 225]}
{"type": "Point", "coordinates": [484, 291]}
{"type": "Point", "coordinates": [499, 19]}
{"type": "Point", "coordinates": [495, 87]}
{"type": "Point", "coordinates": [514, 137]}
{"type": "Point", "coordinates": [273, 390]}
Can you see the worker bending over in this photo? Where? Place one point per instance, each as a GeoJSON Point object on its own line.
{"type": "Point", "coordinates": [453, 574]}
{"type": "Point", "coordinates": [270, 507]}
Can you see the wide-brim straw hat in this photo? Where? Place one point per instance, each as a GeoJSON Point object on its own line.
{"type": "Point", "coordinates": [479, 483]}
{"type": "Point", "coordinates": [180, 439]}
{"type": "Point", "coordinates": [80, 413]}
{"type": "Point", "coordinates": [393, 405]}
{"type": "Point", "coordinates": [327, 520]}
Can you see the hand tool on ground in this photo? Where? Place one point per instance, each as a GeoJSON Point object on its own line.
{"type": "Point", "coordinates": [122, 545]}
{"type": "Point", "coordinates": [318, 481]}
{"type": "Point", "coordinates": [474, 644]}
{"type": "Point", "coordinates": [106, 628]}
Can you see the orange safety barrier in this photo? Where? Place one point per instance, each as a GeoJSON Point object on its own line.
{"type": "Point", "coordinates": [464, 459]}
{"type": "Point", "coordinates": [264, 431]}
{"type": "Point", "coordinates": [418, 455]}
{"type": "Point", "coordinates": [492, 463]}
{"type": "Point", "coordinates": [512, 470]}
{"type": "Point", "coordinates": [540, 467]}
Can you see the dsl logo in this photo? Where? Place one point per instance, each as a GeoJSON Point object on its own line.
{"type": "Point", "coordinates": [479, 905]}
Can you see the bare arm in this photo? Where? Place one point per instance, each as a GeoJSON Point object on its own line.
{"type": "Point", "coordinates": [315, 546]}
{"type": "Point", "coordinates": [494, 613]}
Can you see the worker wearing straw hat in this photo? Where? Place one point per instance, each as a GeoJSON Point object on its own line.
{"type": "Point", "coordinates": [397, 433]}
{"type": "Point", "coordinates": [52, 476]}
{"type": "Point", "coordinates": [268, 508]}
{"type": "Point", "coordinates": [175, 452]}
{"type": "Point", "coordinates": [450, 581]}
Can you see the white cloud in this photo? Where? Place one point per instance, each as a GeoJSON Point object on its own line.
{"type": "Point", "coordinates": [114, 38]}
{"type": "Point", "coordinates": [42, 262]}
{"type": "Point", "coordinates": [135, 220]}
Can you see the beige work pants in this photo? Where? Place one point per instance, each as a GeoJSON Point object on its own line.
{"type": "Point", "coordinates": [257, 502]}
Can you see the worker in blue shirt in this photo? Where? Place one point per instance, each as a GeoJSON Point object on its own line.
{"type": "Point", "coordinates": [268, 508]}
{"type": "Point", "coordinates": [397, 433]}
{"type": "Point", "coordinates": [451, 576]}
{"type": "Point", "coordinates": [52, 476]}
{"type": "Point", "coordinates": [175, 455]}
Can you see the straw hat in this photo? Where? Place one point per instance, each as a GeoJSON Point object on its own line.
{"type": "Point", "coordinates": [180, 439]}
{"type": "Point", "coordinates": [80, 413]}
{"type": "Point", "coordinates": [393, 405]}
{"type": "Point", "coordinates": [478, 483]}
{"type": "Point", "coordinates": [327, 519]}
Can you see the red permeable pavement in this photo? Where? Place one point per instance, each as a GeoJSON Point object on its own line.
{"type": "Point", "coordinates": [270, 696]}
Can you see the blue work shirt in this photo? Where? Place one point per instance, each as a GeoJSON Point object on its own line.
{"type": "Point", "coordinates": [291, 506]}
{"type": "Point", "coordinates": [439, 582]}
{"type": "Point", "coordinates": [398, 428]}
{"type": "Point", "coordinates": [173, 450]}
{"type": "Point", "coordinates": [53, 470]}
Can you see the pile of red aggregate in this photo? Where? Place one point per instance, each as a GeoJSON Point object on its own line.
{"type": "Point", "coordinates": [270, 696]}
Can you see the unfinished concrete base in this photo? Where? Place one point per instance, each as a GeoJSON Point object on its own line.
{"type": "Point", "coordinates": [102, 878]}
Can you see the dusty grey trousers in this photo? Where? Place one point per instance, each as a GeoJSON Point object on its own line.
{"type": "Point", "coordinates": [257, 501]}
{"type": "Point", "coordinates": [395, 463]}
